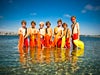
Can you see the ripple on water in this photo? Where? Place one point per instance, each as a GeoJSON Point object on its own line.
{"type": "Point", "coordinates": [11, 63]}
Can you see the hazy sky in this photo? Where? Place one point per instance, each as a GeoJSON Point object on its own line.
{"type": "Point", "coordinates": [12, 12]}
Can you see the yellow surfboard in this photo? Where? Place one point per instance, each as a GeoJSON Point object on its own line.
{"type": "Point", "coordinates": [80, 45]}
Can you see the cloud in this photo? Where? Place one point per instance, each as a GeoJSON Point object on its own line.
{"type": "Point", "coordinates": [1, 17]}
{"type": "Point", "coordinates": [90, 7]}
{"type": "Point", "coordinates": [84, 11]}
{"type": "Point", "coordinates": [33, 14]}
{"type": "Point", "coordinates": [67, 15]}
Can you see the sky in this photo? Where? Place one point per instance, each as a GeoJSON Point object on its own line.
{"type": "Point", "coordinates": [87, 13]}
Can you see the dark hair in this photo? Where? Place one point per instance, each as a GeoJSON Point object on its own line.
{"type": "Point", "coordinates": [64, 24]}
{"type": "Point", "coordinates": [33, 22]}
{"type": "Point", "coordinates": [73, 17]}
{"type": "Point", "coordinates": [59, 21]}
{"type": "Point", "coordinates": [23, 21]}
{"type": "Point", "coordinates": [48, 23]}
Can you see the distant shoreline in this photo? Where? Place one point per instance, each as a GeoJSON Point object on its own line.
{"type": "Point", "coordinates": [8, 33]}
{"type": "Point", "coordinates": [15, 34]}
{"type": "Point", "coordinates": [96, 36]}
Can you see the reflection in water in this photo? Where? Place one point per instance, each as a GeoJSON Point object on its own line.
{"type": "Point", "coordinates": [74, 59]}
{"type": "Point", "coordinates": [47, 55]}
{"type": "Point", "coordinates": [86, 65]}
{"type": "Point", "coordinates": [59, 58]}
{"type": "Point", "coordinates": [23, 55]}
{"type": "Point", "coordinates": [32, 54]}
{"type": "Point", "coordinates": [65, 54]}
{"type": "Point", "coordinates": [75, 54]}
{"type": "Point", "coordinates": [57, 55]}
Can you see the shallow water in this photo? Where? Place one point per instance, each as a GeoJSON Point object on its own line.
{"type": "Point", "coordinates": [48, 61]}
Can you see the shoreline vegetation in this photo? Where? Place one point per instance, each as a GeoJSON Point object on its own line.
{"type": "Point", "coordinates": [15, 34]}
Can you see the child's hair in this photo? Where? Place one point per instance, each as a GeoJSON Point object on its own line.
{"type": "Point", "coordinates": [33, 22]}
{"type": "Point", "coordinates": [41, 23]}
{"type": "Point", "coordinates": [73, 17]}
{"type": "Point", "coordinates": [64, 24]}
{"type": "Point", "coordinates": [48, 23]}
{"type": "Point", "coordinates": [59, 21]}
{"type": "Point", "coordinates": [23, 21]}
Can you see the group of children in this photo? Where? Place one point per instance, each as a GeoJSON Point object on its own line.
{"type": "Point", "coordinates": [45, 37]}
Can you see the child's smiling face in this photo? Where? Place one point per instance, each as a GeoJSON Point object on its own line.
{"type": "Point", "coordinates": [23, 25]}
{"type": "Point", "coordinates": [73, 20]}
{"type": "Point", "coordinates": [48, 25]}
{"type": "Point", "coordinates": [41, 26]}
{"type": "Point", "coordinates": [59, 24]}
{"type": "Point", "coordinates": [64, 26]}
{"type": "Point", "coordinates": [33, 25]}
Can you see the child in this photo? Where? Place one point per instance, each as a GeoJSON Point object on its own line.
{"type": "Point", "coordinates": [42, 33]}
{"type": "Point", "coordinates": [32, 32]}
{"type": "Point", "coordinates": [48, 35]}
{"type": "Point", "coordinates": [66, 33]}
{"type": "Point", "coordinates": [58, 34]}
{"type": "Point", "coordinates": [75, 30]}
{"type": "Point", "coordinates": [23, 42]}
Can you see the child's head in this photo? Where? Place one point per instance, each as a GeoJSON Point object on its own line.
{"type": "Point", "coordinates": [64, 25]}
{"type": "Point", "coordinates": [48, 24]}
{"type": "Point", "coordinates": [23, 23]}
{"type": "Point", "coordinates": [33, 24]}
{"type": "Point", "coordinates": [73, 19]}
{"type": "Point", "coordinates": [41, 24]}
{"type": "Point", "coordinates": [59, 22]}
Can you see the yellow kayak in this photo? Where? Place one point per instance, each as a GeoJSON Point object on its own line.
{"type": "Point", "coordinates": [80, 45]}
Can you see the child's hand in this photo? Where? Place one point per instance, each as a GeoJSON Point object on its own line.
{"type": "Point", "coordinates": [25, 37]}
{"type": "Point", "coordinates": [20, 32]}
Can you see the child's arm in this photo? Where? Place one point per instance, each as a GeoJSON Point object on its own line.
{"type": "Point", "coordinates": [51, 32]}
{"type": "Point", "coordinates": [19, 32]}
{"type": "Point", "coordinates": [78, 28]}
{"type": "Point", "coordinates": [28, 33]}
{"type": "Point", "coordinates": [55, 31]}
{"type": "Point", "coordinates": [72, 30]}
{"type": "Point", "coordinates": [61, 33]}
{"type": "Point", "coordinates": [69, 34]}
{"type": "Point", "coordinates": [44, 32]}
